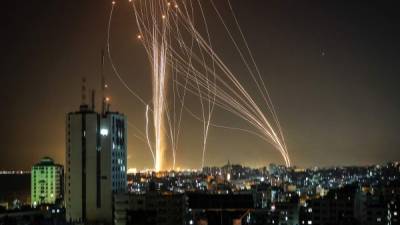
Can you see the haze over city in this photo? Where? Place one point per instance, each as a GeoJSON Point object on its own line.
{"type": "Point", "coordinates": [331, 70]}
{"type": "Point", "coordinates": [199, 112]}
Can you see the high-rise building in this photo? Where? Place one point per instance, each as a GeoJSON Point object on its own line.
{"type": "Point", "coordinates": [46, 182]}
{"type": "Point", "coordinates": [96, 158]}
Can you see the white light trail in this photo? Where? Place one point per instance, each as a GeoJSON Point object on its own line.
{"type": "Point", "coordinates": [180, 53]}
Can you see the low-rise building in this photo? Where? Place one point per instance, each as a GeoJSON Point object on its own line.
{"type": "Point", "coordinates": [46, 182]}
{"type": "Point", "coordinates": [150, 208]}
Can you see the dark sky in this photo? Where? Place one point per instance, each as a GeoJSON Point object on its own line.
{"type": "Point", "coordinates": [332, 69]}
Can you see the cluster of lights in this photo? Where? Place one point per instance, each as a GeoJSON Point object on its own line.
{"type": "Point", "coordinates": [11, 172]}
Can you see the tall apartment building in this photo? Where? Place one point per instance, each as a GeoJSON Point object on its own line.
{"type": "Point", "coordinates": [46, 182]}
{"type": "Point", "coordinates": [96, 159]}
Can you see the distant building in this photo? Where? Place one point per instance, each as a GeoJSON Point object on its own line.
{"type": "Point", "coordinates": [46, 182]}
{"type": "Point", "coordinates": [220, 208]}
{"type": "Point", "coordinates": [96, 158]}
{"type": "Point", "coordinates": [370, 209]}
{"type": "Point", "coordinates": [166, 208]}
{"type": "Point", "coordinates": [285, 212]}
{"type": "Point", "coordinates": [338, 207]}
{"type": "Point", "coordinates": [149, 209]}
{"type": "Point", "coordinates": [393, 209]}
{"type": "Point", "coordinates": [15, 186]}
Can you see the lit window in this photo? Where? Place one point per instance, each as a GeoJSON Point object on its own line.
{"type": "Point", "coordinates": [309, 222]}
{"type": "Point", "coordinates": [104, 132]}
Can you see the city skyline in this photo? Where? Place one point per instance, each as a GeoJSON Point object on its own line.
{"type": "Point", "coordinates": [331, 71]}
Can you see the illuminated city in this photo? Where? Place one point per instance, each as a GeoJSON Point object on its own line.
{"type": "Point", "coordinates": [200, 112]}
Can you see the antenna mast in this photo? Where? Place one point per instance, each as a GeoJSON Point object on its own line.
{"type": "Point", "coordinates": [83, 91]}
{"type": "Point", "coordinates": [84, 106]}
{"type": "Point", "coordinates": [103, 85]}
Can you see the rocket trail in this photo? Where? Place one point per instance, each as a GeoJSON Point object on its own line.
{"type": "Point", "coordinates": [183, 58]}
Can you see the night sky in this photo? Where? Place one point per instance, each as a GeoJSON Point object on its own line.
{"type": "Point", "coordinates": [331, 67]}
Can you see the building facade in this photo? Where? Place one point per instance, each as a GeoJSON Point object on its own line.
{"type": "Point", "coordinates": [96, 159]}
{"type": "Point", "coordinates": [337, 207]}
{"type": "Point", "coordinates": [149, 209]}
{"type": "Point", "coordinates": [46, 182]}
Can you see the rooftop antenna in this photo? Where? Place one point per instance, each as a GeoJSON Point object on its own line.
{"type": "Point", "coordinates": [83, 106]}
{"type": "Point", "coordinates": [83, 91]}
{"type": "Point", "coordinates": [103, 85]}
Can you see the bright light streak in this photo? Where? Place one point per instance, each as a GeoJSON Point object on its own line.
{"type": "Point", "coordinates": [148, 138]}
{"type": "Point", "coordinates": [197, 69]}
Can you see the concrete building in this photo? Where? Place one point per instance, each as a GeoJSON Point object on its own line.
{"type": "Point", "coordinates": [370, 209]}
{"type": "Point", "coordinates": [393, 209]}
{"type": "Point", "coordinates": [285, 212]}
{"type": "Point", "coordinates": [96, 158]}
{"type": "Point", "coordinates": [46, 182]}
{"type": "Point", "coordinates": [229, 209]}
{"type": "Point", "coordinates": [149, 209]}
{"type": "Point", "coordinates": [337, 207]}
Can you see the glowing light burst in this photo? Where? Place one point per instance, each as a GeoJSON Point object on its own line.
{"type": "Point", "coordinates": [180, 53]}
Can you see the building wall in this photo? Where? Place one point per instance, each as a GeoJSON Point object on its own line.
{"type": "Point", "coordinates": [93, 210]}
{"type": "Point", "coordinates": [73, 173]}
{"type": "Point", "coordinates": [150, 208]}
{"type": "Point", "coordinates": [46, 183]}
{"type": "Point", "coordinates": [96, 164]}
